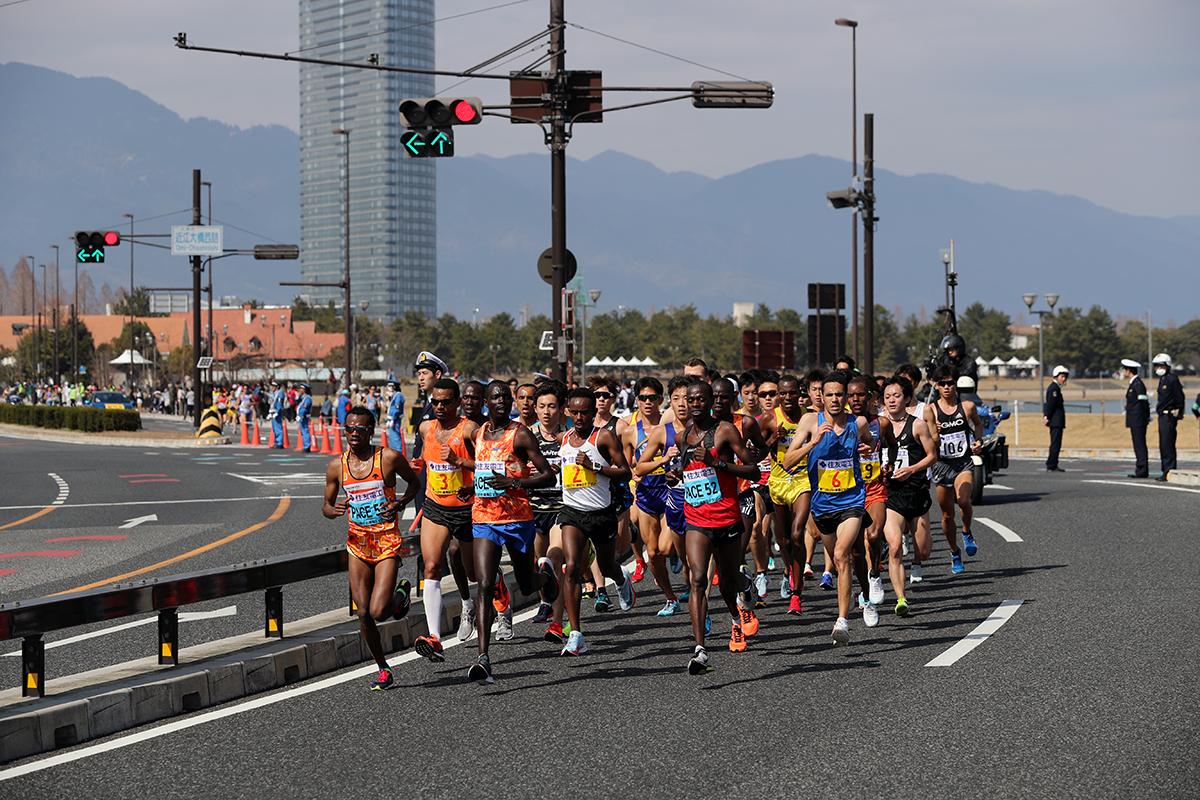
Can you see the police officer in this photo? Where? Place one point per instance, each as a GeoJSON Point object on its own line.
{"type": "Point", "coordinates": [1137, 416]}
{"type": "Point", "coordinates": [395, 415]}
{"type": "Point", "coordinates": [343, 406]}
{"type": "Point", "coordinates": [1054, 416]}
{"type": "Point", "coordinates": [304, 416]}
{"type": "Point", "coordinates": [276, 414]}
{"type": "Point", "coordinates": [428, 369]}
{"type": "Point", "coordinates": [1169, 411]}
{"type": "Point", "coordinates": [954, 348]}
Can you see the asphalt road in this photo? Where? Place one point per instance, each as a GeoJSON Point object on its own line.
{"type": "Point", "coordinates": [1077, 694]}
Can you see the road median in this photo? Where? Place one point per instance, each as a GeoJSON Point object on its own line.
{"type": "Point", "coordinates": [142, 438]}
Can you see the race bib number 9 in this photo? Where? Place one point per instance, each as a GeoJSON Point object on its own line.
{"type": "Point", "coordinates": [486, 469]}
{"type": "Point", "coordinates": [700, 486]}
{"type": "Point", "coordinates": [366, 508]}
{"type": "Point", "coordinates": [835, 476]}
{"type": "Point", "coordinates": [870, 468]}
{"type": "Point", "coordinates": [953, 445]}
{"type": "Point", "coordinates": [576, 477]}
{"type": "Point", "coordinates": [446, 479]}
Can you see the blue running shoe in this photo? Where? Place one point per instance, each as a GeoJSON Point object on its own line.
{"type": "Point", "coordinates": [684, 595]}
{"type": "Point", "coordinates": [956, 565]}
{"type": "Point", "coordinates": [603, 604]}
{"type": "Point", "coordinates": [675, 563]}
{"type": "Point", "coordinates": [707, 624]}
{"type": "Point", "coordinates": [669, 609]}
{"type": "Point", "coordinates": [969, 544]}
{"type": "Point", "coordinates": [827, 580]}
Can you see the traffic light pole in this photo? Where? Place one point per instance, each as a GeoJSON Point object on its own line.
{"type": "Point", "coordinates": [197, 375]}
{"type": "Point", "coordinates": [558, 178]}
{"type": "Point", "coordinates": [869, 243]}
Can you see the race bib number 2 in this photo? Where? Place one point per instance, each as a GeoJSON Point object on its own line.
{"type": "Point", "coordinates": [576, 477]}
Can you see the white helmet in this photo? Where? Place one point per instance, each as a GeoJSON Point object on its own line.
{"type": "Point", "coordinates": [966, 383]}
{"type": "Point", "coordinates": [1162, 358]}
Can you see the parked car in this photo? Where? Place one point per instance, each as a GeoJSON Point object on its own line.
{"type": "Point", "coordinates": [109, 400]}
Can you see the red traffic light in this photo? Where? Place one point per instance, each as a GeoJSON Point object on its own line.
{"type": "Point", "coordinates": [464, 112]}
{"type": "Point", "coordinates": [112, 238]}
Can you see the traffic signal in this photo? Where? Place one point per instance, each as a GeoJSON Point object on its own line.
{"type": "Point", "coordinates": [441, 112]}
{"type": "Point", "coordinates": [428, 143]}
{"type": "Point", "coordinates": [89, 245]}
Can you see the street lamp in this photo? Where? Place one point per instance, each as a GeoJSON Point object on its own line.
{"type": "Point", "coordinates": [42, 317]}
{"type": "Point", "coordinates": [853, 26]}
{"type": "Point", "coordinates": [54, 314]}
{"type": "Point", "coordinates": [129, 300]}
{"type": "Point", "coordinates": [348, 309]}
{"type": "Point", "coordinates": [1051, 300]}
{"type": "Point", "coordinates": [33, 317]}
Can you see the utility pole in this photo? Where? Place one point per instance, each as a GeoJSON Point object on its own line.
{"type": "Point", "coordinates": [869, 243]}
{"type": "Point", "coordinates": [75, 325]}
{"type": "Point", "coordinates": [198, 386]}
{"type": "Point", "coordinates": [558, 176]}
{"type": "Point", "coordinates": [348, 310]}
{"type": "Point", "coordinates": [208, 265]}
{"type": "Point", "coordinates": [54, 315]}
{"type": "Point", "coordinates": [42, 317]}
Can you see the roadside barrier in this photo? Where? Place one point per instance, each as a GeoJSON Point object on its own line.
{"type": "Point", "coordinates": [210, 424]}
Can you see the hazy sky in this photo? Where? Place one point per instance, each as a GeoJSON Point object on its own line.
{"type": "Point", "coordinates": [1098, 98]}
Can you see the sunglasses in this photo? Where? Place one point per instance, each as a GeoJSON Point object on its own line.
{"type": "Point", "coordinates": [768, 394]}
{"type": "Point", "coordinates": [358, 428]}
{"type": "Point", "coordinates": [603, 395]}
{"type": "Point", "coordinates": [945, 383]}
{"type": "Point", "coordinates": [649, 398]}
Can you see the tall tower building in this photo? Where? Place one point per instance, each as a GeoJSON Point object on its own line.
{"type": "Point", "coordinates": [393, 226]}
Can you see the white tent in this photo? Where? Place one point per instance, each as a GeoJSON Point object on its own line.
{"type": "Point", "coordinates": [621, 361]}
{"type": "Point", "coordinates": [607, 361]}
{"type": "Point", "coordinates": [649, 362]}
{"type": "Point", "coordinates": [594, 362]}
{"type": "Point", "coordinates": [128, 356]}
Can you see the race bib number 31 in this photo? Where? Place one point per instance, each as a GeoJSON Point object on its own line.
{"type": "Point", "coordinates": [835, 476]}
{"type": "Point", "coordinates": [700, 486]}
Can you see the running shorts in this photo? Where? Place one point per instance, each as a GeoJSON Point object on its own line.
{"type": "Point", "coordinates": [374, 547]}
{"type": "Point", "coordinates": [455, 518]}
{"type": "Point", "coordinates": [909, 498]}
{"type": "Point", "coordinates": [622, 497]}
{"type": "Point", "coordinates": [722, 534]}
{"type": "Point", "coordinates": [943, 473]}
{"type": "Point", "coordinates": [676, 519]}
{"type": "Point", "coordinates": [762, 491]}
{"type": "Point", "coordinates": [746, 503]}
{"type": "Point", "coordinates": [829, 523]}
{"type": "Point", "coordinates": [786, 491]}
{"type": "Point", "coordinates": [653, 499]}
{"type": "Point", "coordinates": [597, 526]}
{"type": "Point", "coordinates": [877, 492]}
{"type": "Point", "coordinates": [517, 535]}
{"type": "Point", "coordinates": [543, 521]}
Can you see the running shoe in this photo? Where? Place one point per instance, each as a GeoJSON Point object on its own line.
{"type": "Point", "coordinates": [587, 590]}
{"type": "Point", "coordinates": [901, 607]}
{"type": "Point", "coordinates": [626, 596]}
{"type": "Point", "coordinates": [675, 563]}
{"type": "Point", "coordinates": [737, 639]}
{"type": "Point", "coordinates": [760, 590]}
{"type": "Point", "coordinates": [841, 631]}
{"type": "Point", "coordinates": [808, 571]}
{"type": "Point", "coordinates": [550, 581]}
{"type": "Point", "coordinates": [603, 604]}
{"type": "Point", "coordinates": [554, 633]}
{"type": "Point", "coordinates": [684, 595]}
{"type": "Point", "coordinates": [544, 612]}
{"type": "Point", "coordinates": [716, 580]}
{"type": "Point", "coordinates": [402, 599]}
{"type": "Point", "coordinates": [501, 599]}
{"type": "Point", "coordinates": [785, 587]}
{"type": "Point", "coordinates": [466, 621]}
{"type": "Point", "coordinates": [794, 606]}
{"type": "Point", "coordinates": [870, 615]}
{"type": "Point", "coordinates": [969, 543]}
{"type": "Point", "coordinates": [566, 627]}
{"type": "Point", "coordinates": [383, 681]}
{"type": "Point", "coordinates": [669, 609]}
{"type": "Point", "coordinates": [699, 663]}
{"type": "Point", "coordinates": [904, 543]}
{"type": "Point", "coordinates": [826, 580]}
{"type": "Point", "coordinates": [956, 565]}
{"type": "Point", "coordinates": [481, 670]}
{"type": "Point", "coordinates": [504, 626]}
{"type": "Point", "coordinates": [914, 574]}
{"type": "Point", "coordinates": [771, 563]}
{"type": "Point", "coordinates": [875, 589]}
{"type": "Point", "coordinates": [707, 624]}
{"type": "Point", "coordinates": [575, 645]}
{"type": "Point", "coordinates": [639, 571]}
{"type": "Point", "coordinates": [749, 622]}
{"type": "Point", "coordinates": [429, 647]}
{"type": "Point", "coordinates": [862, 600]}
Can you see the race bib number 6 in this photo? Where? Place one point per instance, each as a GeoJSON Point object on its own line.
{"type": "Point", "coordinates": [835, 476]}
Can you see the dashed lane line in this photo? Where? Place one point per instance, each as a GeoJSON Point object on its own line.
{"type": "Point", "coordinates": [956, 651]}
{"type": "Point", "coordinates": [1006, 533]}
{"type": "Point", "coordinates": [64, 490]}
{"type": "Point", "coordinates": [1147, 486]}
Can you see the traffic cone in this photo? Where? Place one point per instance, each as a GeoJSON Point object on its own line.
{"type": "Point", "coordinates": [337, 440]}
{"type": "Point", "coordinates": [326, 450]}
{"type": "Point", "coordinates": [285, 439]}
{"type": "Point", "coordinates": [257, 437]}
{"type": "Point", "coordinates": [271, 444]}
{"type": "Point", "coordinates": [299, 448]}
{"type": "Point", "coordinates": [245, 432]}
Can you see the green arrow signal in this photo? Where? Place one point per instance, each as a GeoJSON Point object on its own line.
{"type": "Point", "coordinates": [414, 141]}
{"type": "Point", "coordinates": [440, 141]}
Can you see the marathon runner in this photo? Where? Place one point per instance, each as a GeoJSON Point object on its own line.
{"type": "Point", "coordinates": [960, 431]}
{"type": "Point", "coordinates": [472, 402]}
{"type": "Point", "coordinates": [502, 515]}
{"type": "Point", "coordinates": [813, 383]}
{"type": "Point", "coordinates": [427, 369]}
{"type": "Point", "coordinates": [908, 484]}
{"type": "Point", "coordinates": [922, 535]}
{"type": "Point", "coordinates": [761, 545]}
{"type": "Point", "coordinates": [712, 458]}
{"type": "Point", "coordinates": [724, 397]}
{"type": "Point", "coordinates": [830, 441]}
{"type": "Point", "coordinates": [592, 460]}
{"type": "Point", "coordinates": [861, 396]}
{"type": "Point", "coordinates": [526, 397]}
{"type": "Point", "coordinates": [367, 474]}
{"type": "Point", "coordinates": [449, 442]}
{"type": "Point", "coordinates": [605, 390]}
{"type": "Point", "coordinates": [547, 501]}
{"type": "Point", "coordinates": [789, 489]}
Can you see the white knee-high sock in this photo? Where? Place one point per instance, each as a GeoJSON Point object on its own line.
{"type": "Point", "coordinates": [433, 606]}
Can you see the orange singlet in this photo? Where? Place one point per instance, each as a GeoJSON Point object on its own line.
{"type": "Point", "coordinates": [497, 458]}
{"type": "Point", "coordinates": [739, 419]}
{"type": "Point", "coordinates": [371, 539]}
{"type": "Point", "coordinates": [442, 481]}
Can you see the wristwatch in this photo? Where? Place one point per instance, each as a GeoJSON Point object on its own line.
{"type": "Point", "coordinates": [516, 483]}
{"type": "Point", "coordinates": [720, 464]}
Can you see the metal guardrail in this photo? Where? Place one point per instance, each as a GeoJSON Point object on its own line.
{"type": "Point", "coordinates": [30, 620]}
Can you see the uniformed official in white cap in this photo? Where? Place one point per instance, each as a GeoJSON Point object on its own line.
{"type": "Point", "coordinates": [1169, 410]}
{"type": "Point", "coordinates": [1055, 417]}
{"type": "Point", "coordinates": [1137, 416]}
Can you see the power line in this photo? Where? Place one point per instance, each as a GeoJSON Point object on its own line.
{"type": "Point", "coordinates": [516, 57]}
{"type": "Point", "coordinates": [117, 225]}
{"type": "Point", "coordinates": [12, 3]}
{"type": "Point", "coordinates": [243, 230]}
{"type": "Point", "coordinates": [356, 37]}
{"type": "Point", "coordinates": [659, 52]}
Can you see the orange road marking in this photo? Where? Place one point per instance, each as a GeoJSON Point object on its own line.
{"type": "Point", "coordinates": [30, 518]}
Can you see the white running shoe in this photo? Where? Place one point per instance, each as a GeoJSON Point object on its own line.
{"type": "Point", "coordinates": [576, 646]}
{"type": "Point", "coordinates": [875, 589]}
{"type": "Point", "coordinates": [904, 543]}
{"type": "Point", "coordinates": [466, 625]}
{"type": "Point", "coordinates": [698, 665]}
{"type": "Point", "coordinates": [504, 626]}
{"type": "Point", "coordinates": [841, 631]}
{"type": "Point", "coordinates": [626, 599]}
{"type": "Point", "coordinates": [760, 585]}
{"type": "Point", "coordinates": [914, 574]}
{"type": "Point", "coordinates": [870, 616]}
{"type": "Point", "coordinates": [785, 587]}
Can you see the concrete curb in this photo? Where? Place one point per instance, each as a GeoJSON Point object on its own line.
{"type": "Point", "coordinates": [67, 437]}
{"type": "Point", "coordinates": [1184, 477]}
{"type": "Point", "coordinates": [1094, 454]}
{"type": "Point", "coordinates": [48, 724]}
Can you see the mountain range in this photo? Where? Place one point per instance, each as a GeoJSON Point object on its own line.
{"type": "Point", "coordinates": [78, 153]}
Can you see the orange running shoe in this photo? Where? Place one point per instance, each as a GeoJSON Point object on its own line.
{"type": "Point", "coordinates": [501, 599]}
{"type": "Point", "coordinates": [639, 571]}
{"type": "Point", "coordinates": [794, 605]}
{"type": "Point", "coordinates": [716, 578]}
{"type": "Point", "coordinates": [737, 639]}
{"type": "Point", "coordinates": [429, 647]}
{"type": "Point", "coordinates": [749, 621]}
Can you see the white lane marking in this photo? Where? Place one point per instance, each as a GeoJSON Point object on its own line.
{"type": "Point", "coordinates": [228, 711]}
{"type": "Point", "coordinates": [1000, 486]}
{"type": "Point", "coordinates": [133, 523]}
{"type": "Point", "coordinates": [1001, 615]}
{"type": "Point", "coordinates": [280, 479]}
{"type": "Point", "coordinates": [1006, 533]}
{"type": "Point", "coordinates": [185, 616]}
{"type": "Point", "coordinates": [1147, 486]}
{"type": "Point", "coordinates": [250, 478]}
{"type": "Point", "coordinates": [63, 490]}
{"type": "Point", "coordinates": [174, 502]}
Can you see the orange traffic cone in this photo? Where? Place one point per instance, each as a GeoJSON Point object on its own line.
{"type": "Point", "coordinates": [337, 440]}
{"type": "Point", "coordinates": [257, 437]}
{"type": "Point", "coordinates": [245, 432]}
{"type": "Point", "coordinates": [271, 443]}
{"type": "Point", "coordinates": [285, 439]}
{"type": "Point", "coordinates": [326, 450]}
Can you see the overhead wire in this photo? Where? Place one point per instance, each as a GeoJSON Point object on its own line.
{"type": "Point", "coordinates": [658, 51]}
